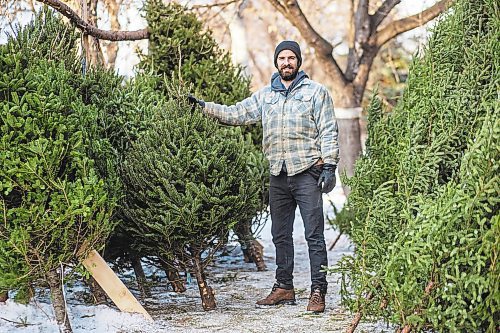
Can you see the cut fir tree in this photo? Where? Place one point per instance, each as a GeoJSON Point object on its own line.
{"type": "Point", "coordinates": [424, 206]}
{"type": "Point", "coordinates": [187, 183]}
{"type": "Point", "coordinates": [183, 50]}
{"type": "Point", "coordinates": [51, 197]}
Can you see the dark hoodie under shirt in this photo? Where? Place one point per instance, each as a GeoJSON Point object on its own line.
{"type": "Point", "coordinates": [278, 86]}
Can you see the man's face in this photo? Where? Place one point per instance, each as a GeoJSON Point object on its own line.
{"type": "Point", "coordinates": [287, 65]}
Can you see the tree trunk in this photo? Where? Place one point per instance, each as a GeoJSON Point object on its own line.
{"type": "Point", "coordinates": [58, 302]}
{"type": "Point", "coordinates": [97, 292]}
{"type": "Point", "coordinates": [334, 242]}
{"type": "Point", "coordinates": [239, 46]}
{"type": "Point", "coordinates": [174, 278]}
{"type": "Point", "coordinates": [112, 48]}
{"type": "Point", "coordinates": [406, 329]}
{"type": "Point", "coordinates": [256, 254]}
{"type": "Point", "coordinates": [4, 296]}
{"type": "Point", "coordinates": [206, 292]}
{"type": "Point", "coordinates": [175, 281]}
{"type": "Point", "coordinates": [96, 57]}
{"type": "Point", "coordinates": [347, 112]}
{"type": "Point", "coordinates": [140, 277]}
{"type": "Point", "coordinates": [253, 251]}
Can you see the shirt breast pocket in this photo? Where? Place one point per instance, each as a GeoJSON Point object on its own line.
{"type": "Point", "coordinates": [271, 106]}
{"type": "Point", "coordinates": [304, 105]}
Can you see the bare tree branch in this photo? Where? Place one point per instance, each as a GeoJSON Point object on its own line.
{"type": "Point", "coordinates": [276, 4]}
{"type": "Point", "coordinates": [397, 27]}
{"type": "Point", "coordinates": [291, 10]}
{"type": "Point", "coordinates": [362, 21]}
{"type": "Point", "coordinates": [363, 71]}
{"type": "Point", "coordinates": [92, 30]}
{"type": "Point", "coordinates": [362, 32]}
{"type": "Point", "coordinates": [217, 4]}
{"type": "Point", "coordinates": [382, 12]}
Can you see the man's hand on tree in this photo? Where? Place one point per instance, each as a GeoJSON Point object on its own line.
{"type": "Point", "coordinates": [326, 181]}
{"type": "Point", "coordinates": [195, 101]}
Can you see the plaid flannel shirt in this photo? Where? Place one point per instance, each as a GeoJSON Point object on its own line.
{"type": "Point", "coordinates": [299, 128]}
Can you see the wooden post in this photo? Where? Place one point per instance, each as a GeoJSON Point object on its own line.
{"type": "Point", "coordinates": [112, 285]}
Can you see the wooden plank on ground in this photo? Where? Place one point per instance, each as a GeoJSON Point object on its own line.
{"type": "Point", "coordinates": [112, 285]}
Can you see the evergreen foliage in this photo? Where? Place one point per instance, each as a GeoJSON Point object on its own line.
{"type": "Point", "coordinates": [185, 180]}
{"type": "Point", "coordinates": [187, 183]}
{"type": "Point", "coordinates": [423, 211]}
{"type": "Point", "coordinates": [180, 48]}
{"type": "Point", "coordinates": [51, 198]}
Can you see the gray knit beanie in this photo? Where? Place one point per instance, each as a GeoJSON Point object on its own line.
{"type": "Point", "coordinates": [288, 45]}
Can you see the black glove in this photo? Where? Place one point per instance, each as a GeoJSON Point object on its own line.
{"type": "Point", "coordinates": [195, 101]}
{"type": "Point", "coordinates": [326, 181]}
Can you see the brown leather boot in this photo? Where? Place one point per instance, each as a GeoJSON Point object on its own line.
{"type": "Point", "coordinates": [278, 296]}
{"type": "Point", "coordinates": [316, 301]}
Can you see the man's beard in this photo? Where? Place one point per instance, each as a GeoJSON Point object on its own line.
{"type": "Point", "coordinates": [288, 77]}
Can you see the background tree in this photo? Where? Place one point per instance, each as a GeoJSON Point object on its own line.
{"type": "Point", "coordinates": [366, 36]}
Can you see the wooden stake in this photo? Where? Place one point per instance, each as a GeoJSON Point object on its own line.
{"type": "Point", "coordinates": [112, 285]}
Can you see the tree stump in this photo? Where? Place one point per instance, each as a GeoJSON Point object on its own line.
{"type": "Point", "coordinates": [4, 296]}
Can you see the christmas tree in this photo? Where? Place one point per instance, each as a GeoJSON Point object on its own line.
{"type": "Point", "coordinates": [423, 211]}
{"type": "Point", "coordinates": [53, 202]}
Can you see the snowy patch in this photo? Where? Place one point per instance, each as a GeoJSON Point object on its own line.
{"type": "Point", "coordinates": [238, 285]}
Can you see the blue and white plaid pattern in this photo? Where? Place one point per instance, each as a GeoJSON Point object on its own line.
{"type": "Point", "coordinates": [298, 129]}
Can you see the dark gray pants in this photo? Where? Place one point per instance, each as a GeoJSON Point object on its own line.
{"type": "Point", "coordinates": [284, 196]}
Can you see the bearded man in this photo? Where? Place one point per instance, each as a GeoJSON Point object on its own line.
{"type": "Point", "coordinates": [300, 140]}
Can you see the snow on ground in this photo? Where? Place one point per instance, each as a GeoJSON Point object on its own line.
{"type": "Point", "coordinates": [238, 285]}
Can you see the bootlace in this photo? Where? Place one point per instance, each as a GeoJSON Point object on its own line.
{"type": "Point", "coordinates": [316, 297]}
{"type": "Point", "coordinates": [275, 286]}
